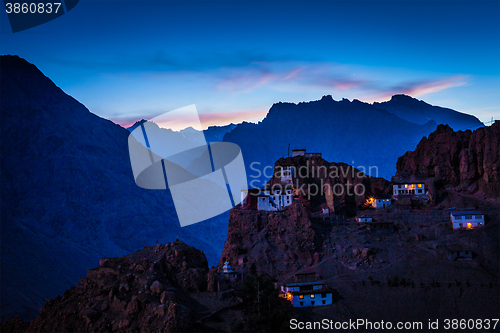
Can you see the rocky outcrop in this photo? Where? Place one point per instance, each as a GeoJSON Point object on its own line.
{"type": "Point", "coordinates": [338, 186]}
{"type": "Point", "coordinates": [464, 160]}
{"type": "Point", "coordinates": [140, 292]}
{"type": "Point", "coordinates": [275, 243]}
{"type": "Point", "coordinates": [279, 243]}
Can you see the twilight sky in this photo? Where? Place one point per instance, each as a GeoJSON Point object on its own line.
{"type": "Point", "coordinates": [128, 60]}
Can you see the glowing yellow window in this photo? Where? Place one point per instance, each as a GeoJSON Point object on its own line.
{"type": "Point", "coordinates": [312, 295]}
{"type": "Point", "coordinates": [419, 185]}
{"type": "Point", "coordinates": [469, 225]}
{"type": "Point", "coordinates": [301, 296]}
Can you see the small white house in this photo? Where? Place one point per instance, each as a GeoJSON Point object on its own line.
{"type": "Point", "coordinates": [467, 219]}
{"type": "Point", "coordinates": [362, 219]}
{"type": "Point", "coordinates": [286, 174]}
{"type": "Point", "coordinates": [308, 294]}
{"type": "Point", "coordinates": [408, 189]}
{"type": "Point", "coordinates": [381, 203]}
{"type": "Point", "coordinates": [275, 201]}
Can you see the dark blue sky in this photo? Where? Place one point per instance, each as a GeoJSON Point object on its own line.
{"type": "Point", "coordinates": [127, 60]}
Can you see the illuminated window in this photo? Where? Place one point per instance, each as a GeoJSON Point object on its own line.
{"type": "Point", "coordinates": [419, 185]}
{"type": "Point", "coordinates": [312, 295]}
{"type": "Point", "coordinates": [301, 296]}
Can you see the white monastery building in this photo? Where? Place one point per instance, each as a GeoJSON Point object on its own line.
{"type": "Point", "coordinates": [275, 199]}
{"type": "Point", "coordinates": [381, 203]}
{"type": "Point", "coordinates": [408, 189]}
{"type": "Point", "coordinates": [307, 294]}
{"type": "Point", "coordinates": [467, 219]}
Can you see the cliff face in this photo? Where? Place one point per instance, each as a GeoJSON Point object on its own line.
{"type": "Point", "coordinates": [467, 161]}
{"type": "Point", "coordinates": [339, 186]}
{"type": "Point", "coordinates": [143, 291]}
{"type": "Point", "coordinates": [275, 243]}
{"type": "Point", "coordinates": [278, 243]}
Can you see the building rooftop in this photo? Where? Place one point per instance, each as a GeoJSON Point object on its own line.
{"type": "Point", "coordinates": [466, 212]}
{"type": "Point", "coordinates": [297, 284]}
{"type": "Point", "coordinates": [310, 292]}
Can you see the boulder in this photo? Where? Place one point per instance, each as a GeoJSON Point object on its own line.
{"type": "Point", "coordinates": [157, 287]}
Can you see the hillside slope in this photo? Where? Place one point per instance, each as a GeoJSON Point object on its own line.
{"type": "Point", "coordinates": [68, 196]}
{"type": "Point", "coordinates": [420, 112]}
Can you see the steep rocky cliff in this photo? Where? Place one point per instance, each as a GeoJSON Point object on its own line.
{"type": "Point", "coordinates": [338, 186]}
{"type": "Point", "coordinates": [279, 243]}
{"type": "Point", "coordinates": [465, 161]}
{"type": "Point", "coordinates": [146, 291]}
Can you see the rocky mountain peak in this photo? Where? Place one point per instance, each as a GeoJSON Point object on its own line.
{"type": "Point", "coordinates": [148, 288]}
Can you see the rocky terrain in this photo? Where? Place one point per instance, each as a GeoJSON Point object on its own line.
{"type": "Point", "coordinates": [402, 276]}
{"type": "Point", "coordinates": [69, 198]}
{"type": "Point", "coordinates": [467, 162]}
{"type": "Point", "coordinates": [68, 195]}
{"type": "Point", "coordinates": [280, 243]}
{"type": "Point", "coordinates": [345, 187]}
{"type": "Point", "coordinates": [147, 291]}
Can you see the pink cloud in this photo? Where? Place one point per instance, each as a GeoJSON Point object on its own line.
{"type": "Point", "coordinates": [418, 88]}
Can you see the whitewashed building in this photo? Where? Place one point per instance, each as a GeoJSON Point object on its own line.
{"type": "Point", "coordinates": [304, 294]}
{"type": "Point", "coordinates": [408, 189]}
{"type": "Point", "coordinates": [362, 219]}
{"type": "Point", "coordinates": [381, 203]}
{"type": "Point", "coordinates": [286, 174]}
{"type": "Point", "coordinates": [275, 201]}
{"type": "Point", "coordinates": [467, 219]}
